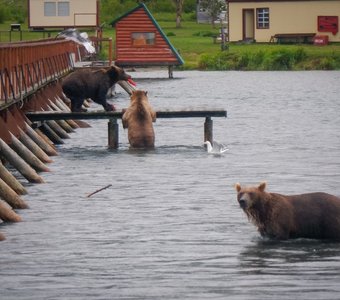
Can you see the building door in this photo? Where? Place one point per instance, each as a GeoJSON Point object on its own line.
{"type": "Point", "coordinates": [248, 24]}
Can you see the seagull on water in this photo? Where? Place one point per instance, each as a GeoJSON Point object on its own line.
{"type": "Point", "coordinates": [80, 38]}
{"type": "Point", "coordinates": [215, 148]}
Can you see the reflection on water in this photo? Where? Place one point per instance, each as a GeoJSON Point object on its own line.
{"type": "Point", "coordinates": [169, 227]}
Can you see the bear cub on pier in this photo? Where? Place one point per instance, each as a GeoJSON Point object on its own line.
{"type": "Point", "coordinates": [94, 84]}
{"type": "Point", "coordinates": [138, 118]}
{"type": "Point", "coordinates": [313, 215]}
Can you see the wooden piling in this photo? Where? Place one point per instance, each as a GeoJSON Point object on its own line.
{"type": "Point", "coordinates": [15, 185]}
{"type": "Point", "coordinates": [51, 134]}
{"type": "Point", "coordinates": [126, 86]}
{"type": "Point", "coordinates": [40, 141]}
{"type": "Point", "coordinates": [113, 134]}
{"type": "Point", "coordinates": [18, 163]}
{"type": "Point", "coordinates": [62, 123]}
{"type": "Point", "coordinates": [11, 197]}
{"type": "Point", "coordinates": [2, 237]}
{"type": "Point", "coordinates": [63, 107]}
{"type": "Point", "coordinates": [35, 149]}
{"type": "Point", "coordinates": [7, 214]}
{"type": "Point", "coordinates": [208, 130]}
{"type": "Point", "coordinates": [57, 129]}
{"type": "Point", "coordinates": [27, 155]}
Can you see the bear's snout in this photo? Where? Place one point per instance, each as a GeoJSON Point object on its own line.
{"type": "Point", "coordinates": [244, 200]}
{"type": "Point", "coordinates": [126, 76]}
{"type": "Point", "coordinates": [243, 203]}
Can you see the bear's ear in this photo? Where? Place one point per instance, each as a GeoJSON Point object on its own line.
{"type": "Point", "coordinates": [146, 93]}
{"type": "Point", "coordinates": [262, 186]}
{"type": "Point", "coordinates": [238, 187]}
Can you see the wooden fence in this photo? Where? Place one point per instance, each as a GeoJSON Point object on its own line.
{"type": "Point", "coordinates": [27, 66]}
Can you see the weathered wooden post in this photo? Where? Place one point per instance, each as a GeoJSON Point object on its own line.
{"type": "Point", "coordinates": [208, 129]}
{"type": "Point", "coordinates": [113, 133]}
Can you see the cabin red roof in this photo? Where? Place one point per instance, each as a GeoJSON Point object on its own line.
{"type": "Point", "coordinates": [141, 42]}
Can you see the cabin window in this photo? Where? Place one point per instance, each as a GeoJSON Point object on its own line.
{"type": "Point", "coordinates": [262, 18]}
{"type": "Point", "coordinates": [50, 9]}
{"type": "Point", "coordinates": [63, 9]}
{"type": "Point", "coordinates": [143, 38]}
{"type": "Point", "coordinates": [53, 8]}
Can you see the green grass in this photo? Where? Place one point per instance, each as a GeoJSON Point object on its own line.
{"type": "Point", "coordinates": [195, 44]}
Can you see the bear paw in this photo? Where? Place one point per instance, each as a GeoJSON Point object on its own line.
{"type": "Point", "coordinates": [110, 107]}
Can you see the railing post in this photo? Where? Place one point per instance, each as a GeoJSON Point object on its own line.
{"type": "Point", "coordinates": [208, 130]}
{"type": "Point", "coordinates": [113, 134]}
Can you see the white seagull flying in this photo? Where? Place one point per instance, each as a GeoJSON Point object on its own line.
{"type": "Point", "coordinates": [215, 147]}
{"type": "Point", "coordinates": [80, 38]}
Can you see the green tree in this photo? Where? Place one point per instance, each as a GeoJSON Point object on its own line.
{"type": "Point", "coordinates": [13, 10]}
{"type": "Point", "coordinates": [214, 8]}
{"type": "Point", "coordinates": [179, 10]}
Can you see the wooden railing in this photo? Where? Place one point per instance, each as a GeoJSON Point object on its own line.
{"type": "Point", "coordinates": [27, 66]}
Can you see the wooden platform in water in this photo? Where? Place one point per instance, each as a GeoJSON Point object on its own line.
{"type": "Point", "coordinates": [113, 136]}
{"type": "Point", "coordinates": [44, 116]}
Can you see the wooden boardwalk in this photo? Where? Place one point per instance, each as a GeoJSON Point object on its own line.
{"type": "Point", "coordinates": [113, 137]}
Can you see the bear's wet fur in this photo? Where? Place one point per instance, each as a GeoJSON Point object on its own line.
{"type": "Point", "coordinates": [94, 84]}
{"type": "Point", "coordinates": [138, 118]}
{"type": "Point", "coordinates": [312, 215]}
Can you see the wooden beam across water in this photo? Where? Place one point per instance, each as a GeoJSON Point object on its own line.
{"type": "Point", "coordinates": [45, 116]}
{"type": "Point", "coordinates": [113, 131]}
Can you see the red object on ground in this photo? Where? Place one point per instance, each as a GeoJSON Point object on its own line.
{"type": "Point", "coordinates": [320, 40]}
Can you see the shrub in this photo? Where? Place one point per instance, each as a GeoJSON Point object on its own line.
{"type": "Point", "coordinates": [279, 60]}
{"type": "Point", "coordinates": [2, 15]}
{"type": "Point", "coordinates": [204, 34]}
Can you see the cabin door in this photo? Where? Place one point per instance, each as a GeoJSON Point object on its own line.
{"type": "Point", "coordinates": [248, 24]}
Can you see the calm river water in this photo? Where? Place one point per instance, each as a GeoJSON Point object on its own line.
{"type": "Point", "coordinates": [170, 227]}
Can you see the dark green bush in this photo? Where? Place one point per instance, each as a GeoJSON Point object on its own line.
{"type": "Point", "coordinates": [204, 33]}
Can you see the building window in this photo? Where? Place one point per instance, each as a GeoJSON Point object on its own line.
{"type": "Point", "coordinates": [63, 9]}
{"type": "Point", "coordinates": [143, 38]}
{"type": "Point", "coordinates": [53, 8]}
{"type": "Point", "coordinates": [50, 9]}
{"type": "Point", "coordinates": [262, 18]}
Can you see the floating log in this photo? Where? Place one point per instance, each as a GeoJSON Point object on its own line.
{"type": "Point", "coordinates": [7, 214]}
{"type": "Point", "coordinates": [18, 163]}
{"type": "Point", "coordinates": [99, 190]}
{"type": "Point", "coordinates": [15, 185]}
{"type": "Point", "coordinates": [11, 197]}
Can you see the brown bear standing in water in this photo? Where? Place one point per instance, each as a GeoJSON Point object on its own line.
{"type": "Point", "coordinates": [94, 84]}
{"type": "Point", "coordinates": [313, 215]}
{"type": "Point", "coordinates": [138, 118]}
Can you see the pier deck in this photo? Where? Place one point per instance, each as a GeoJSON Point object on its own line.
{"type": "Point", "coordinates": [113, 139]}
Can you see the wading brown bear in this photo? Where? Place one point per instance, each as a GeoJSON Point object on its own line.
{"type": "Point", "coordinates": [138, 118]}
{"type": "Point", "coordinates": [313, 215]}
{"type": "Point", "coordinates": [94, 84]}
